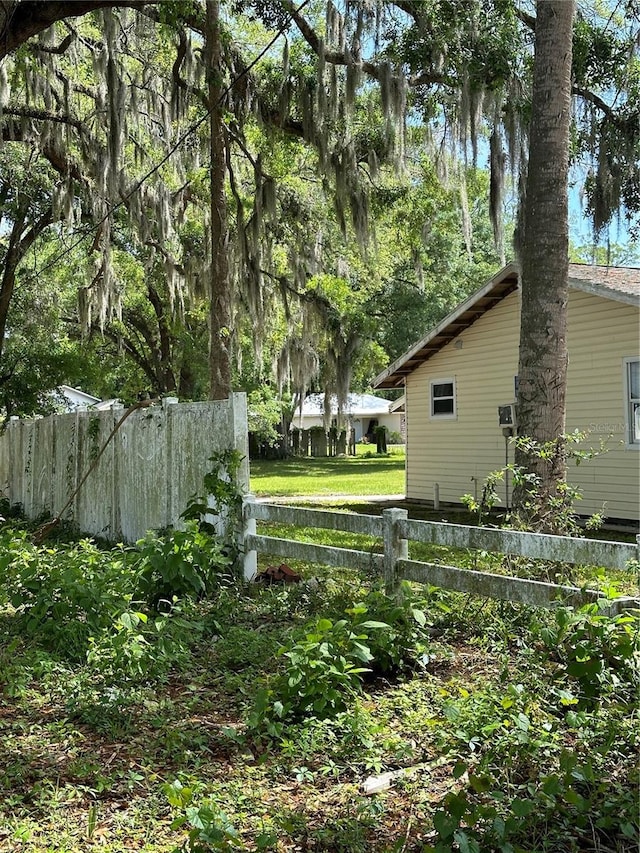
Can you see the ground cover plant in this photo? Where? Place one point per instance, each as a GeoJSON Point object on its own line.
{"type": "Point", "coordinates": [217, 716]}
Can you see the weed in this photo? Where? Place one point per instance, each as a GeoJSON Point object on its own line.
{"type": "Point", "coordinates": [182, 563]}
{"type": "Point", "coordinates": [209, 828]}
{"type": "Point", "coordinates": [322, 676]}
{"type": "Point", "coordinates": [598, 653]}
{"type": "Point", "coordinates": [402, 644]}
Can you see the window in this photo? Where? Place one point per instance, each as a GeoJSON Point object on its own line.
{"type": "Point", "coordinates": [443, 398]}
{"type": "Point", "coordinates": [632, 400]}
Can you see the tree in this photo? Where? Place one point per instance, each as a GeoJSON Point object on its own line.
{"type": "Point", "coordinates": [25, 212]}
{"type": "Point", "coordinates": [460, 69]}
{"type": "Point", "coordinates": [220, 296]}
{"type": "Point", "coordinates": [544, 253]}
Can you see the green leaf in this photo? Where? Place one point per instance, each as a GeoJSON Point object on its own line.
{"type": "Point", "coordinates": [522, 808]}
{"type": "Point", "coordinates": [460, 768]}
{"type": "Point", "coordinates": [445, 825]}
{"type": "Point", "coordinates": [419, 616]}
{"type": "Point", "coordinates": [466, 843]}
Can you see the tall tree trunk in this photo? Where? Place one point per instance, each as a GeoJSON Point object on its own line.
{"type": "Point", "coordinates": [19, 245]}
{"type": "Point", "coordinates": [543, 252]}
{"type": "Point", "coordinates": [219, 283]}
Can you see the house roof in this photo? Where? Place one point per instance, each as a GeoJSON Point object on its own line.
{"type": "Point", "coordinates": [619, 283]}
{"type": "Point", "coordinates": [77, 397]}
{"type": "Point", "coordinates": [357, 405]}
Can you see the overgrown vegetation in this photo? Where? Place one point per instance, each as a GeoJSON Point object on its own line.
{"type": "Point", "coordinates": [148, 702]}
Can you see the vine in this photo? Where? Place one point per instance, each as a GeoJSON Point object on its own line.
{"type": "Point", "coordinates": [222, 497]}
{"type": "Point", "coordinates": [93, 434]}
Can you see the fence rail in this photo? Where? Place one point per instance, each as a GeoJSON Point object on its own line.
{"type": "Point", "coordinates": [395, 530]}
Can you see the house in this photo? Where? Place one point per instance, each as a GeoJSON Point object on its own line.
{"type": "Point", "coordinates": [71, 399]}
{"type": "Point", "coordinates": [363, 412]}
{"type": "Point", "coordinates": [459, 374]}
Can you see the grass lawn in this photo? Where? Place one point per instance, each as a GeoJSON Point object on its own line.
{"type": "Point", "coordinates": [349, 475]}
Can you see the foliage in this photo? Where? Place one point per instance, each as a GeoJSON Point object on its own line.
{"type": "Point", "coordinates": [325, 668]}
{"type": "Point", "coordinates": [322, 676]}
{"type": "Point", "coordinates": [573, 800]}
{"type": "Point", "coordinates": [84, 602]}
{"type": "Point", "coordinates": [597, 653]}
{"type": "Point", "coordinates": [222, 493]}
{"type": "Point", "coordinates": [139, 647]}
{"type": "Point", "coordinates": [536, 511]}
{"type": "Point", "coordinates": [538, 745]}
{"type": "Point", "coordinates": [264, 416]}
{"type": "Point", "coordinates": [63, 596]}
{"type": "Point", "coordinates": [182, 563]}
{"type": "Point", "coordinates": [210, 828]}
{"type": "Point", "coordinates": [351, 231]}
{"type": "Point", "coordinates": [403, 644]}
{"type": "Point", "coordinates": [489, 498]}
{"type": "Point", "coordinates": [550, 513]}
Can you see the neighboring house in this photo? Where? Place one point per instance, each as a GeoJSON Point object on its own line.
{"type": "Point", "coordinates": [457, 377]}
{"type": "Point", "coordinates": [72, 399]}
{"type": "Point", "coordinates": [363, 412]}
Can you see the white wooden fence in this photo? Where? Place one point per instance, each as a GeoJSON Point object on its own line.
{"type": "Point", "coordinates": [150, 469]}
{"type": "Point", "coordinates": [395, 530]}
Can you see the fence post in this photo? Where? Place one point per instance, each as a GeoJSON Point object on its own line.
{"type": "Point", "coordinates": [250, 558]}
{"type": "Point", "coordinates": [240, 435]}
{"type": "Point", "coordinates": [395, 547]}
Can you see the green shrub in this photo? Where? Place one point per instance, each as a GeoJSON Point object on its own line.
{"type": "Point", "coordinates": [183, 563]}
{"type": "Point", "coordinates": [135, 648]}
{"type": "Point", "coordinates": [598, 653]}
{"type": "Point", "coordinates": [322, 676]}
{"type": "Point", "coordinates": [571, 809]}
{"type": "Point", "coordinates": [208, 827]}
{"type": "Point", "coordinates": [83, 603]}
{"type": "Point", "coordinates": [64, 595]}
{"type": "Point", "coordinates": [324, 669]}
{"type": "Point", "coordinates": [404, 641]}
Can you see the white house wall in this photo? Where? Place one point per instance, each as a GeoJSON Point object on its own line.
{"type": "Point", "coordinates": [459, 453]}
{"type": "Point", "coordinates": [392, 421]}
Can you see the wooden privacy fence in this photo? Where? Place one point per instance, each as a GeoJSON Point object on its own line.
{"type": "Point", "coordinates": [395, 530]}
{"type": "Point", "coordinates": [143, 480]}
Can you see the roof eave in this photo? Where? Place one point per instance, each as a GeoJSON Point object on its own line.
{"type": "Point", "coordinates": [605, 292]}
{"type": "Point", "coordinates": [503, 283]}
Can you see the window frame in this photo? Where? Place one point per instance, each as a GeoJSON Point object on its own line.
{"type": "Point", "coordinates": [443, 416]}
{"type": "Point", "coordinates": [630, 443]}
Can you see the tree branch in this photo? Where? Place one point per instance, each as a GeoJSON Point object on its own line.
{"type": "Point", "coordinates": [19, 21]}
{"type": "Point", "coordinates": [338, 57]}
{"type": "Point", "coordinates": [44, 115]}
{"type": "Point", "coordinates": [60, 49]}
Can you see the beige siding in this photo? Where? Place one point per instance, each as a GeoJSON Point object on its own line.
{"type": "Point", "coordinates": [601, 334]}
{"type": "Point", "coordinates": [458, 454]}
